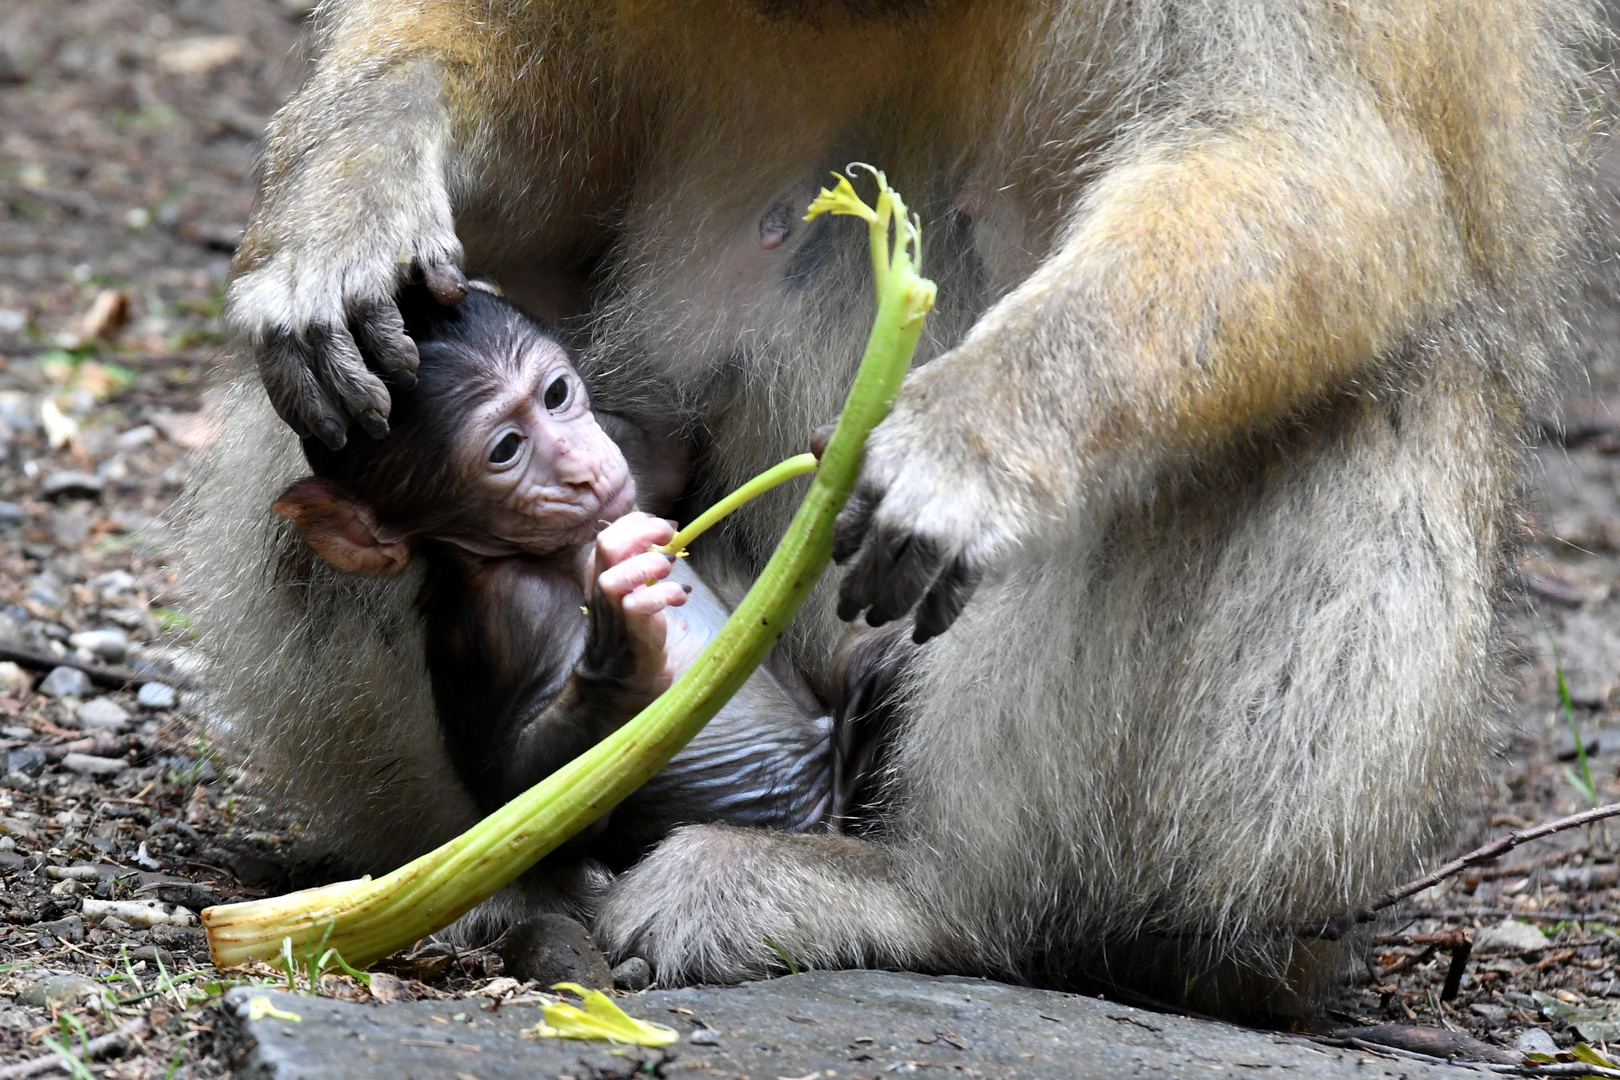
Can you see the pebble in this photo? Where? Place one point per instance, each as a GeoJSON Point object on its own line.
{"type": "Point", "coordinates": [90, 765]}
{"type": "Point", "coordinates": [65, 682]}
{"type": "Point", "coordinates": [103, 713]}
{"type": "Point", "coordinates": [704, 1037]}
{"type": "Point", "coordinates": [1510, 935]}
{"type": "Point", "coordinates": [56, 989]}
{"type": "Point", "coordinates": [81, 485]}
{"type": "Point", "coordinates": [11, 515]}
{"type": "Point", "coordinates": [29, 760]}
{"type": "Point", "coordinates": [137, 436]}
{"type": "Point", "coordinates": [14, 681]}
{"type": "Point", "coordinates": [1535, 1041]}
{"type": "Point", "coordinates": [17, 781]}
{"type": "Point", "coordinates": [156, 695]}
{"type": "Point", "coordinates": [68, 929]}
{"type": "Point", "coordinates": [109, 643]}
{"type": "Point", "coordinates": [634, 975]}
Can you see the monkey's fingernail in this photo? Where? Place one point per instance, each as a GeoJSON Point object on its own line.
{"type": "Point", "coordinates": [686, 588]}
{"type": "Point", "coordinates": [849, 609]}
{"type": "Point", "coordinates": [375, 423]}
{"type": "Point", "coordinates": [600, 524]}
{"type": "Point", "coordinates": [330, 432]}
{"type": "Point", "coordinates": [447, 283]}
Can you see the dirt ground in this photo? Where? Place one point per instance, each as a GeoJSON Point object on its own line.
{"type": "Point", "coordinates": [127, 133]}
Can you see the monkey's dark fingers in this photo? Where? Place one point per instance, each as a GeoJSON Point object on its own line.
{"type": "Point", "coordinates": [945, 601]}
{"type": "Point", "coordinates": [379, 330]}
{"type": "Point", "coordinates": [342, 370]}
{"type": "Point", "coordinates": [916, 563]}
{"type": "Point", "coordinates": [286, 369]}
{"type": "Point", "coordinates": [850, 528]}
{"type": "Point", "coordinates": [820, 437]}
{"type": "Point", "coordinates": [444, 280]}
{"type": "Point", "coordinates": [868, 579]}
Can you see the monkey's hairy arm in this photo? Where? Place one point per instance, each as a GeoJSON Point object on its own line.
{"type": "Point", "coordinates": [1216, 279]}
{"type": "Point", "coordinates": [354, 200]}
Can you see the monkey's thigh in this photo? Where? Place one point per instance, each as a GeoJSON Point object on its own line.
{"type": "Point", "coordinates": [1244, 706]}
{"type": "Point", "coordinates": [317, 677]}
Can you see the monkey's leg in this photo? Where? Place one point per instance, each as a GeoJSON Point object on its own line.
{"type": "Point", "coordinates": [708, 903]}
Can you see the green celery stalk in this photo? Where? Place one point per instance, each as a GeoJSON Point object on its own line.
{"type": "Point", "coordinates": [365, 920]}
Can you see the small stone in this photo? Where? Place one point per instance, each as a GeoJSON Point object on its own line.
{"type": "Point", "coordinates": [71, 527]}
{"type": "Point", "coordinates": [137, 436]}
{"type": "Point", "coordinates": [65, 682]}
{"type": "Point", "coordinates": [704, 1037]}
{"type": "Point", "coordinates": [1535, 1041]}
{"type": "Point", "coordinates": [41, 590]}
{"type": "Point", "coordinates": [11, 515]}
{"type": "Point", "coordinates": [109, 643]}
{"type": "Point", "coordinates": [68, 929]}
{"type": "Point", "coordinates": [553, 948]}
{"type": "Point", "coordinates": [1494, 1014]}
{"type": "Point", "coordinates": [78, 485]}
{"type": "Point", "coordinates": [1510, 935]}
{"type": "Point", "coordinates": [634, 975]}
{"type": "Point", "coordinates": [14, 681]}
{"type": "Point", "coordinates": [17, 781]}
{"type": "Point", "coordinates": [91, 765]}
{"type": "Point", "coordinates": [183, 939]}
{"type": "Point", "coordinates": [59, 989]}
{"type": "Point", "coordinates": [29, 760]}
{"type": "Point", "coordinates": [156, 695]}
{"type": "Point", "coordinates": [103, 713]}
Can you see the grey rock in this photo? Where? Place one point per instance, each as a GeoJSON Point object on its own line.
{"type": "Point", "coordinates": [788, 1027]}
{"type": "Point", "coordinates": [553, 948]}
{"type": "Point", "coordinates": [103, 713]}
{"type": "Point", "coordinates": [634, 975]}
{"type": "Point", "coordinates": [65, 682]}
{"type": "Point", "coordinates": [26, 759]}
{"type": "Point", "coordinates": [1510, 936]}
{"type": "Point", "coordinates": [181, 939]}
{"type": "Point", "coordinates": [91, 765]}
{"type": "Point", "coordinates": [59, 989]}
{"type": "Point", "coordinates": [1534, 1041]}
{"type": "Point", "coordinates": [70, 527]}
{"type": "Point", "coordinates": [18, 781]}
{"type": "Point", "coordinates": [78, 485]}
{"type": "Point", "coordinates": [109, 643]}
{"type": "Point", "coordinates": [156, 695]}
{"type": "Point", "coordinates": [68, 929]}
{"type": "Point", "coordinates": [1495, 1014]}
{"type": "Point", "coordinates": [11, 515]}
{"type": "Point", "coordinates": [704, 1037]}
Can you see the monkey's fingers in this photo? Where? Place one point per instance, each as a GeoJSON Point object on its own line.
{"type": "Point", "coordinates": [342, 370]}
{"type": "Point", "coordinates": [944, 602]}
{"type": "Point", "coordinates": [444, 280]}
{"type": "Point", "coordinates": [286, 368]}
{"type": "Point", "coordinates": [379, 330]}
{"type": "Point", "coordinates": [850, 528]}
{"type": "Point", "coordinates": [893, 570]}
{"type": "Point", "coordinates": [631, 535]}
{"type": "Point", "coordinates": [619, 581]}
{"type": "Point", "coordinates": [651, 599]}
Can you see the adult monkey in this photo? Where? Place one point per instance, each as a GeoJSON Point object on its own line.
{"type": "Point", "coordinates": [1243, 306]}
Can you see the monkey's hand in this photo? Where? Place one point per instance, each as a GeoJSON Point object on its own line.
{"type": "Point", "coordinates": [927, 520]}
{"type": "Point", "coordinates": [629, 627]}
{"type": "Point", "coordinates": [354, 204]}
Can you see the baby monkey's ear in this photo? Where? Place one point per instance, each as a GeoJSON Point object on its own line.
{"type": "Point", "coordinates": [342, 529]}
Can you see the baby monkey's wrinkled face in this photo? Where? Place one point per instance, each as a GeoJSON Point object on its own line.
{"type": "Point", "coordinates": [541, 474]}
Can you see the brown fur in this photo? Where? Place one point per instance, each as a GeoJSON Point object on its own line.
{"type": "Point", "coordinates": [1242, 305]}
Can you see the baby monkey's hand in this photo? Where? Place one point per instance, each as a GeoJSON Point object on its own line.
{"type": "Point", "coordinates": [628, 625]}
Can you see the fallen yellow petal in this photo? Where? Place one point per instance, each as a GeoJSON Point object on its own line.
{"type": "Point", "coordinates": [599, 1019]}
{"type": "Point", "coordinates": [260, 1007]}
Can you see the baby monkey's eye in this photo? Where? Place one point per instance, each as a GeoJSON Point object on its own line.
{"type": "Point", "coordinates": [507, 448]}
{"type": "Point", "coordinates": [556, 393]}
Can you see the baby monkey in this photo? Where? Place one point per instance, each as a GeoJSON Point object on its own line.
{"type": "Point", "coordinates": [545, 608]}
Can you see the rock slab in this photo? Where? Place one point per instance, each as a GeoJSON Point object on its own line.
{"type": "Point", "coordinates": [843, 1024]}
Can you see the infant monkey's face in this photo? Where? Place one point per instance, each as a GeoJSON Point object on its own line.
{"type": "Point", "coordinates": [542, 471]}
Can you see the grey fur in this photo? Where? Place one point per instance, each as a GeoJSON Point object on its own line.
{"type": "Point", "coordinates": [1236, 341]}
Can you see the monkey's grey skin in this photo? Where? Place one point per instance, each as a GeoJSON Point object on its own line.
{"type": "Point", "coordinates": [1243, 303]}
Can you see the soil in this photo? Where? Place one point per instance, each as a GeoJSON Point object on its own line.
{"type": "Point", "coordinates": [127, 135]}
